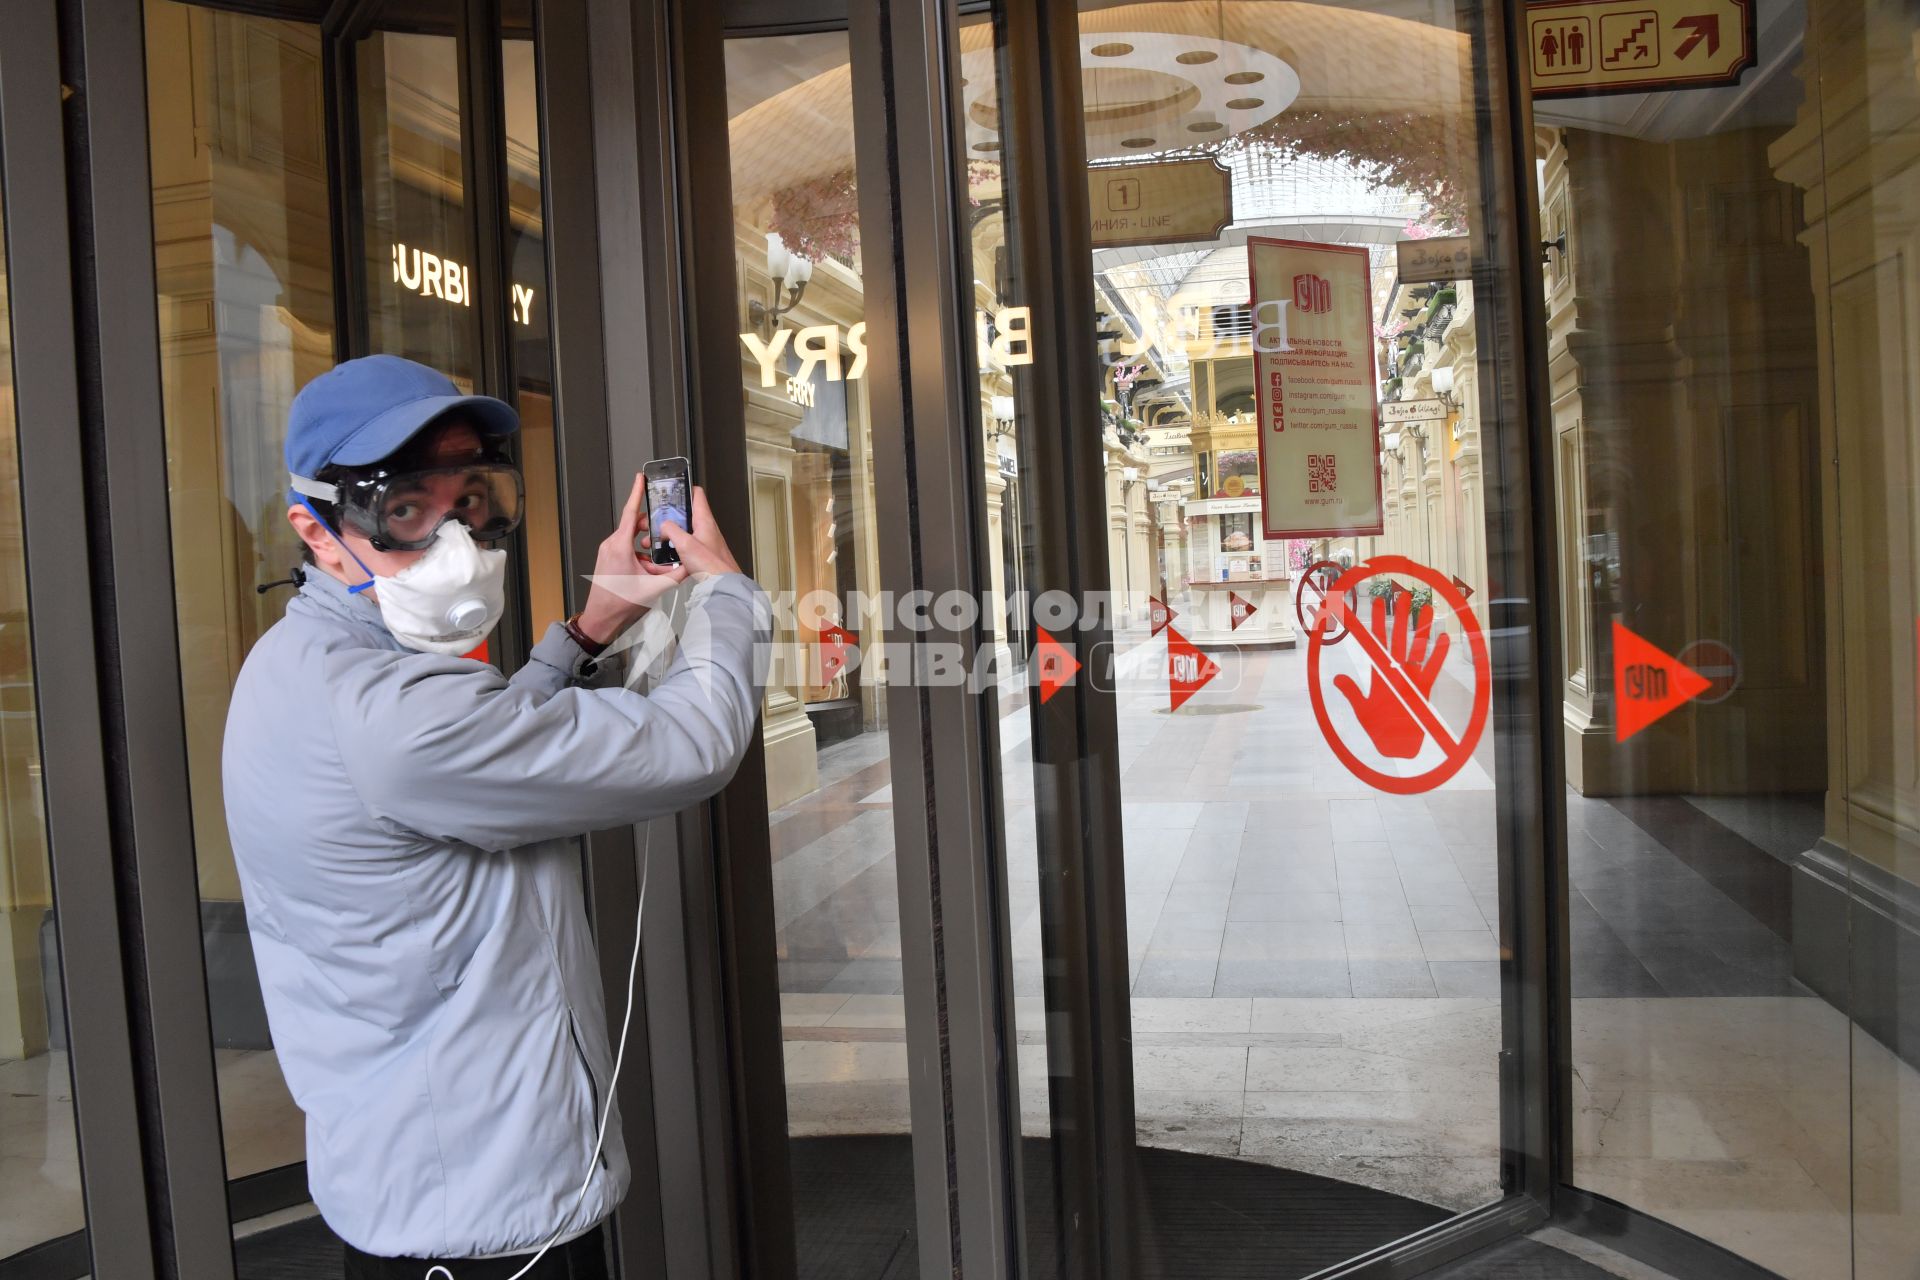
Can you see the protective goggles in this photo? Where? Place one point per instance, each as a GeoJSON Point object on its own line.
{"type": "Point", "coordinates": [403, 510]}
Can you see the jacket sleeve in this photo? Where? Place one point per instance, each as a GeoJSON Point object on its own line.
{"type": "Point", "coordinates": [453, 751]}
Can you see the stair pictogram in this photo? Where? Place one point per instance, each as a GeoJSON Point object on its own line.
{"type": "Point", "coordinates": [1640, 51]}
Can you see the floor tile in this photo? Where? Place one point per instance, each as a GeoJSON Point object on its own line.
{"type": "Point", "coordinates": [868, 1010]}
{"type": "Point", "coordinates": [1469, 944]}
{"type": "Point", "coordinates": [1279, 943]}
{"type": "Point", "coordinates": [1466, 977]}
{"type": "Point", "coordinates": [1200, 1068]}
{"type": "Point", "coordinates": [1376, 978]}
{"type": "Point", "coordinates": [1251, 905]}
{"type": "Point", "coordinates": [1383, 941]}
{"type": "Point", "coordinates": [1326, 978]}
{"type": "Point", "coordinates": [809, 1009]}
{"type": "Point", "coordinates": [1212, 1015]}
{"type": "Point", "coordinates": [1176, 976]}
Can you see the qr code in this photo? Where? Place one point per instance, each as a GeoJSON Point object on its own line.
{"type": "Point", "coordinates": [1320, 473]}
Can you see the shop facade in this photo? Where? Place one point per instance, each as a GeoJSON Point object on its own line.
{"type": "Point", "coordinates": [1171, 937]}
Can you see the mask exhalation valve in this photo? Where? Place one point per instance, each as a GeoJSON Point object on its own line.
{"type": "Point", "coordinates": [467, 615]}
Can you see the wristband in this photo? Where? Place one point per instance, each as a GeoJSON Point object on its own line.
{"type": "Point", "coordinates": [593, 648]}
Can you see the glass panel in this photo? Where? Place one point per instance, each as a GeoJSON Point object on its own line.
{"type": "Point", "coordinates": [815, 549]}
{"type": "Point", "coordinates": [244, 274]}
{"type": "Point", "coordinates": [1308, 791]}
{"type": "Point", "coordinates": [1729, 682]}
{"type": "Point", "coordinates": [246, 308]}
{"type": "Point", "coordinates": [526, 319]}
{"type": "Point", "coordinates": [39, 1160]}
{"type": "Point", "coordinates": [419, 242]}
{"type": "Point", "coordinates": [1850, 155]}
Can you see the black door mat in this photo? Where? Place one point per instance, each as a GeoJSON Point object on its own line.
{"type": "Point", "coordinates": [1204, 1218]}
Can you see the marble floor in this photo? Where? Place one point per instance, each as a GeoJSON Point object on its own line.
{"type": "Point", "coordinates": [1315, 984]}
{"type": "Point", "coordinates": [1315, 977]}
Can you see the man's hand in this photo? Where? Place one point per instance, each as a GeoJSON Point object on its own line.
{"type": "Point", "coordinates": [706, 551]}
{"type": "Point", "coordinates": [625, 582]}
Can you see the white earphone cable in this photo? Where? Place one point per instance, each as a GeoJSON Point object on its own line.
{"type": "Point", "coordinates": [606, 1112]}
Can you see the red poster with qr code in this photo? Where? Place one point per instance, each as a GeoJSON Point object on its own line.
{"type": "Point", "coordinates": [1318, 403]}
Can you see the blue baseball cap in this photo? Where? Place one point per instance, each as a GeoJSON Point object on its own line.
{"type": "Point", "coordinates": [361, 411]}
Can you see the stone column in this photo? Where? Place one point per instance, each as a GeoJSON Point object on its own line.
{"type": "Point", "coordinates": [1852, 158]}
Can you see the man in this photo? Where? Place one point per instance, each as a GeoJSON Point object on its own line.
{"type": "Point", "coordinates": [402, 819]}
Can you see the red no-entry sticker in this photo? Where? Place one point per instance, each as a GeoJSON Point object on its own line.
{"type": "Point", "coordinates": [1310, 599]}
{"type": "Point", "coordinates": [1718, 663]}
{"type": "Point", "coordinates": [1401, 656]}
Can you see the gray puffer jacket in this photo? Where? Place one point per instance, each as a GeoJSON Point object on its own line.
{"type": "Point", "coordinates": [403, 823]}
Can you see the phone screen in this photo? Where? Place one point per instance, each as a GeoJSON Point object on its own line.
{"type": "Point", "coordinates": [669, 497]}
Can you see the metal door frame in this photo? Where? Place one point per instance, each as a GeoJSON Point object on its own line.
{"type": "Point", "coordinates": [85, 810]}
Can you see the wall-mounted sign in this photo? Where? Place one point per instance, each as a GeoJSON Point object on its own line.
{"type": "Point", "coordinates": [1223, 506]}
{"type": "Point", "coordinates": [1411, 411]}
{"type": "Point", "coordinates": [1163, 203]}
{"type": "Point", "coordinates": [1580, 49]}
{"type": "Point", "coordinates": [1435, 260]}
{"type": "Point", "coordinates": [1314, 382]}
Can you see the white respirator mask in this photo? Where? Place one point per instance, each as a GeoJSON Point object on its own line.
{"type": "Point", "coordinates": [445, 602]}
{"type": "Point", "coordinates": [449, 599]}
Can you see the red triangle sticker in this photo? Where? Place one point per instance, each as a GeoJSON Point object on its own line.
{"type": "Point", "coordinates": [1187, 668]}
{"type": "Point", "coordinates": [1239, 609]}
{"type": "Point", "coordinates": [1055, 663]}
{"type": "Point", "coordinates": [1160, 613]}
{"type": "Point", "coordinates": [1647, 683]}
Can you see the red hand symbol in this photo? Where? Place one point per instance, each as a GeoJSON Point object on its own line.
{"type": "Point", "coordinates": [1394, 731]}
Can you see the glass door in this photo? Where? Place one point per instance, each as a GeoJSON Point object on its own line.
{"type": "Point", "coordinates": [1212, 680]}
{"type": "Point", "coordinates": [1732, 326]}
{"type": "Point", "coordinates": [1293, 443]}
{"type": "Point", "coordinates": [814, 481]}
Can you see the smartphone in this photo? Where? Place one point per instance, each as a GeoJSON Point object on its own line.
{"type": "Point", "coordinates": [669, 497]}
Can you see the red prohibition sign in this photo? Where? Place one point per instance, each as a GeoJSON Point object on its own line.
{"type": "Point", "coordinates": [1313, 582]}
{"type": "Point", "coordinates": [1384, 667]}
